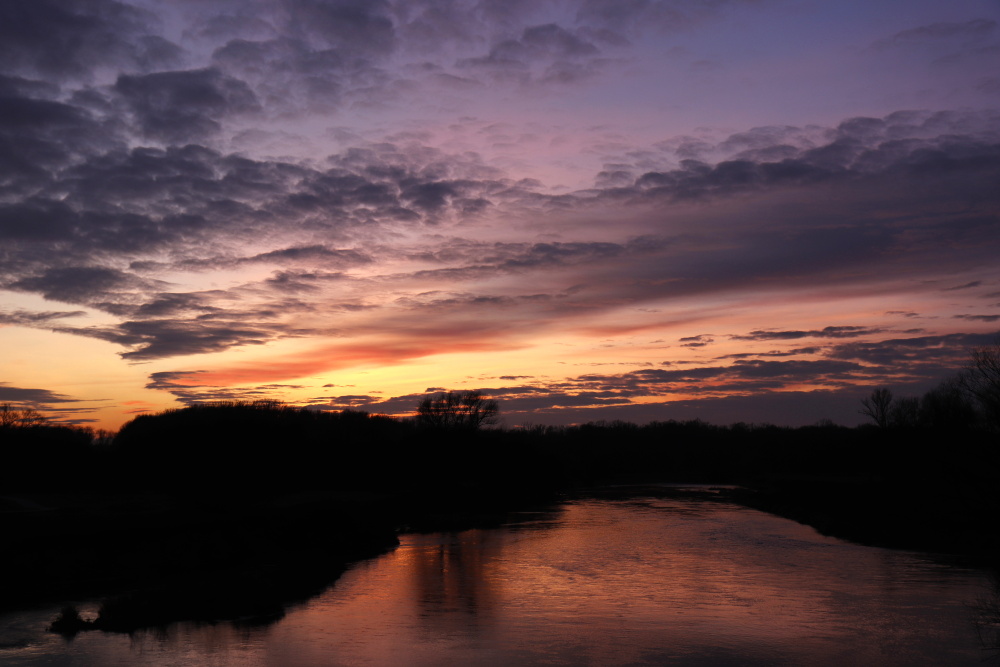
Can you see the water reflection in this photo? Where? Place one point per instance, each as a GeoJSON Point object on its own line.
{"type": "Point", "coordinates": [610, 582]}
{"type": "Point", "coordinates": [453, 574]}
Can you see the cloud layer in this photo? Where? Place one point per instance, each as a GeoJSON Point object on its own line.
{"type": "Point", "coordinates": [328, 185]}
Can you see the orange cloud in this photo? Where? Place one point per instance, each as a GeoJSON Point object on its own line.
{"type": "Point", "coordinates": [337, 357]}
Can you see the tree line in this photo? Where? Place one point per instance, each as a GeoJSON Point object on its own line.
{"type": "Point", "coordinates": [245, 481]}
{"type": "Point", "coordinates": [968, 400]}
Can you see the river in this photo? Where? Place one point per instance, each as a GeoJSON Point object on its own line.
{"type": "Point", "coordinates": [643, 581]}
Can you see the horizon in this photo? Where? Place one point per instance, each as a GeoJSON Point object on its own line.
{"type": "Point", "coordinates": [739, 211]}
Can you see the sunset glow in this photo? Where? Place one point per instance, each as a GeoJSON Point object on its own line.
{"type": "Point", "coordinates": [594, 209]}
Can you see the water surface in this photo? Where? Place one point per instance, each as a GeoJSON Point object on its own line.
{"type": "Point", "coordinates": [648, 581]}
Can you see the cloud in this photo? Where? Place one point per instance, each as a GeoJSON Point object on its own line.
{"type": "Point", "coordinates": [946, 350]}
{"type": "Point", "coordinates": [547, 53]}
{"type": "Point", "coordinates": [197, 209]}
{"type": "Point", "coordinates": [82, 284]}
{"type": "Point", "coordinates": [773, 353]}
{"type": "Point", "coordinates": [213, 175]}
{"type": "Point", "coordinates": [826, 332]}
{"type": "Point", "coordinates": [700, 340]}
{"type": "Point", "coordinates": [979, 318]}
{"type": "Point", "coordinates": [64, 38]}
{"type": "Point", "coordinates": [900, 147]}
{"type": "Point", "coordinates": [359, 25]}
{"type": "Point", "coordinates": [974, 283]}
{"type": "Point", "coordinates": [27, 318]}
{"type": "Point", "coordinates": [697, 393]}
{"type": "Point", "coordinates": [31, 397]}
{"type": "Point", "coordinates": [641, 15]}
{"type": "Point", "coordinates": [159, 338]}
{"type": "Point", "coordinates": [975, 29]}
{"type": "Point", "coordinates": [843, 370]}
{"type": "Point", "coordinates": [184, 106]}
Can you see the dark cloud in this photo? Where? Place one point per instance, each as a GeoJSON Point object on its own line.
{"type": "Point", "coordinates": [548, 53]}
{"type": "Point", "coordinates": [37, 220]}
{"type": "Point", "coordinates": [486, 259]}
{"type": "Point", "coordinates": [946, 351]}
{"type": "Point", "coordinates": [189, 388]}
{"type": "Point", "coordinates": [82, 284]}
{"type": "Point", "coordinates": [27, 318]}
{"type": "Point", "coordinates": [17, 86]}
{"type": "Point", "coordinates": [189, 201]}
{"type": "Point", "coordinates": [311, 255]}
{"type": "Point", "coordinates": [700, 340]}
{"type": "Point", "coordinates": [773, 353]}
{"type": "Point", "coordinates": [300, 281]}
{"type": "Point", "coordinates": [641, 15]}
{"type": "Point", "coordinates": [159, 338]}
{"type": "Point", "coordinates": [167, 304]}
{"type": "Point", "coordinates": [63, 38]}
{"type": "Point", "coordinates": [826, 332]}
{"type": "Point", "coordinates": [32, 397]}
{"type": "Point", "coordinates": [828, 369]}
{"type": "Point", "coordinates": [903, 146]}
{"type": "Point", "coordinates": [974, 283]}
{"type": "Point", "coordinates": [184, 106]}
{"type": "Point", "coordinates": [314, 253]}
{"type": "Point", "coordinates": [39, 136]}
{"type": "Point", "coordinates": [289, 75]}
{"type": "Point", "coordinates": [970, 30]}
{"type": "Point", "coordinates": [194, 208]}
{"type": "Point", "coordinates": [359, 25]}
{"type": "Point", "coordinates": [979, 318]}
{"type": "Point", "coordinates": [185, 388]}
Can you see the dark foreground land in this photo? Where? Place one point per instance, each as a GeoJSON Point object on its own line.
{"type": "Point", "coordinates": [236, 511]}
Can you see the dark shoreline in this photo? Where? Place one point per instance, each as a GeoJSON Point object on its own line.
{"type": "Point", "coordinates": [241, 497]}
{"type": "Point", "coordinates": [153, 568]}
{"type": "Point", "coordinates": [248, 566]}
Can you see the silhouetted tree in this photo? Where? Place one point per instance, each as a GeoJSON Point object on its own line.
{"type": "Point", "coordinates": [458, 410]}
{"type": "Point", "coordinates": [19, 417]}
{"type": "Point", "coordinates": [948, 406]}
{"type": "Point", "coordinates": [878, 406]}
{"type": "Point", "coordinates": [905, 412]}
{"type": "Point", "coordinates": [981, 379]}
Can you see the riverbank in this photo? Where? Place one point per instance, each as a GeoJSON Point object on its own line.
{"type": "Point", "coordinates": [919, 515]}
{"type": "Point", "coordinates": [243, 493]}
{"type": "Point", "coordinates": [667, 579]}
{"type": "Point", "coordinates": [154, 561]}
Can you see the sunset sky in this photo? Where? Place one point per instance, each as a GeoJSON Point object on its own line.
{"type": "Point", "coordinates": [733, 210]}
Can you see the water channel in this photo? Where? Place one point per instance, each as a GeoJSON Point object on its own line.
{"type": "Point", "coordinates": [643, 581]}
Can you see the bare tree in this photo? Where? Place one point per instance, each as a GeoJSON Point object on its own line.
{"type": "Point", "coordinates": [981, 378]}
{"type": "Point", "coordinates": [458, 409]}
{"type": "Point", "coordinates": [905, 412]}
{"type": "Point", "coordinates": [878, 406]}
{"type": "Point", "coordinates": [948, 406]}
{"type": "Point", "coordinates": [11, 417]}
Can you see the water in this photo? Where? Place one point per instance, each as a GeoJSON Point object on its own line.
{"type": "Point", "coordinates": [652, 581]}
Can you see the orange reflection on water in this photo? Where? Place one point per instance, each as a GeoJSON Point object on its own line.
{"type": "Point", "coordinates": [623, 583]}
{"type": "Point", "coordinates": [617, 583]}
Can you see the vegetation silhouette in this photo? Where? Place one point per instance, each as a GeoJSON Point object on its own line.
{"type": "Point", "coordinates": [878, 406]}
{"type": "Point", "coordinates": [181, 508]}
{"type": "Point", "coordinates": [981, 379]}
{"type": "Point", "coordinates": [464, 410]}
{"type": "Point", "coordinates": [968, 401]}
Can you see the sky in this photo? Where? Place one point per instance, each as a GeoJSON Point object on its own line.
{"type": "Point", "coordinates": [728, 210]}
